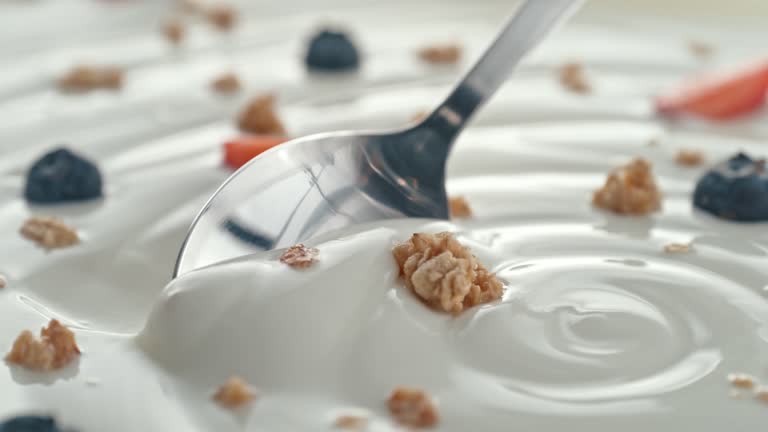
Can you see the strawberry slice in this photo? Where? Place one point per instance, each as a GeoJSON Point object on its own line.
{"type": "Point", "coordinates": [719, 96]}
{"type": "Point", "coordinates": [240, 150]}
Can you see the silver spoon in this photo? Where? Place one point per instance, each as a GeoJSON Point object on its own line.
{"type": "Point", "coordinates": [328, 181]}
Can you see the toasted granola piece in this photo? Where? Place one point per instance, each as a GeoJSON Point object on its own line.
{"type": "Point", "coordinates": [689, 158]}
{"type": "Point", "coordinates": [761, 393]}
{"type": "Point", "coordinates": [259, 117]}
{"type": "Point", "coordinates": [299, 256]}
{"type": "Point", "coordinates": [412, 407]}
{"type": "Point", "coordinates": [572, 78]}
{"type": "Point", "coordinates": [222, 17]}
{"type": "Point", "coordinates": [677, 248]}
{"type": "Point", "coordinates": [84, 78]}
{"type": "Point", "coordinates": [441, 53]}
{"type": "Point", "coordinates": [174, 31]}
{"type": "Point", "coordinates": [226, 83]}
{"type": "Point", "coordinates": [48, 232]}
{"type": "Point", "coordinates": [630, 189]}
{"type": "Point", "coordinates": [3, 281]}
{"type": "Point", "coordinates": [700, 49]}
{"type": "Point", "coordinates": [351, 422]}
{"type": "Point", "coordinates": [459, 207]}
{"type": "Point", "coordinates": [742, 380]}
{"type": "Point", "coordinates": [444, 274]}
{"type": "Point", "coordinates": [234, 393]}
{"type": "Point", "coordinates": [55, 348]}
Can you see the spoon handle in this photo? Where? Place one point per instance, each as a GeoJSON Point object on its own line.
{"type": "Point", "coordinates": [533, 20]}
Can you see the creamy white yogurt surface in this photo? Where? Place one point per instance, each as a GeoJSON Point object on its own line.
{"type": "Point", "coordinates": [598, 328]}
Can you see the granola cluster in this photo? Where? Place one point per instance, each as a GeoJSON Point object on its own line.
{"type": "Point", "coordinates": [299, 256]}
{"type": "Point", "coordinates": [444, 274]}
{"type": "Point", "coordinates": [572, 77]}
{"type": "Point", "coordinates": [226, 83]}
{"type": "Point", "coordinates": [351, 422]}
{"type": "Point", "coordinates": [441, 54]}
{"type": "Point", "coordinates": [55, 348]}
{"type": "Point", "coordinates": [412, 407]}
{"type": "Point", "coordinates": [49, 233]}
{"type": "Point", "coordinates": [259, 117]}
{"type": "Point", "coordinates": [222, 17]}
{"type": "Point", "coordinates": [630, 189]}
{"type": "Point", "coordinates": [459, 207]}
{"type": "Point", "coordinates": [173, 30]}
{"type": "Point", "coordinates": [85, 78]}
{"type": "Point", "coordinates": [234, 393]}
{"type": "Point", "coordinates": [689, 158]}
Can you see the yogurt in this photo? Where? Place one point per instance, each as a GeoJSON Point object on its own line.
{"type": "Point", "coordinates": [598, 328]}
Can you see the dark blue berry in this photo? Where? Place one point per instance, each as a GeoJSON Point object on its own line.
{"type": "Point", "coordinates": [331, 50]}
{"type": "Point", "coordinates": [735, 189]}
{"type": "Point", "coordinates": [29, 424]}
{"type": "Point", "coordinates": [62, 176]}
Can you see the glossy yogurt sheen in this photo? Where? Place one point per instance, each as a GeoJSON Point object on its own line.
{"type": "Point", "coordinates": [598, 328]}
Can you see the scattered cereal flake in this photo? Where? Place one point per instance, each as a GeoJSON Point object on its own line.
{"type": "Point", "coordinates": [222, 17]}
{"type": "Point", "coordinates": [630, 189]}
{"type": "Point", "coordinates": [55, 348]}
{"type": "Point", "coordinates": [449, 53]}
{"type": "Point", "coordinates": [742, 380]}
{"type": "Point", "coordinates": [299, 256]}
{"type": "Point", "coordinates": [226, 83]}
{"type": "Point", "coordinates": [174, 31]}
{"type": "Point", "coordinates": [259, 117]}
{"type": "Point", "coordinates": [700, 49]}
{"type": "Point", "coordinates": [689, 158]}
{"type": "Point", "coordinates": [3, 281]}
{"type": "Point", "coordinates": [234, 393]}
{"type": "Point", "coordinates": [84, 78]}
{"type": "Point", "coordinates": [444, 273]}
{"type": "Point", "coordinates": [572, 78]}
{"type": "Point", "coordinates": [761, 393]}
{"type": "Point", "coordinates": [459, 207]}
{"type": "Point", "coordinates": [677, 248]}
{"type": "Point", "coordinates": [412, 407]}
{"type": "Point", "coordinates": [48, 232]}
{"type": "Point", "coordinates": [351, 422]}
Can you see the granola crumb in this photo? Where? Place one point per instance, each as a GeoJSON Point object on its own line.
{"type": "Point", "coordinates": [55, 348]}
{"type": "Point", "coordinates": [741, 380]}
{"type": "Point", "coordinates": [689, 158]}
{"type": "Point", "coordinates": [444, 274]}
{"type": "Point", "coordinates": [49, 233]}
{"type": "Point", "coordinates": [84, 78]}
{"type": "Point", "coordinates": [459, 207]}
{"type": "Point", "coordinates": [3, 281]}
{"type": "Point", "coordinates": [351, 422]}
{"type": "Point", "coordinates": [174, 31]}
{"type": "Point", "coordinates": [701, 49]}
{"type": "Point", "coordinates": [222, 17]}
{"type": "Point", "coordinates": [259, 117]}
{"type": "Point", "coordinates": [234, 393]}
{"type": "Point", "coordinates": [226, 83]}
{"type": "Point", "coordinates": [630, 189]}
{"type": "Point", "coordinates": [299, 256]}
{"type": "Point", "coordinates": [572, 78]}
{"type": "Point", "coordinates": [761, 393]}
{"type": "Point", "coordinates": [412, 407]}
{"type": "Point", "coordinates": [677, 248]}
{"type": "Point", "coordinates": [449, 53]}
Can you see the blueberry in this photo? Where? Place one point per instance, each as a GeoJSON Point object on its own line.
{"type": "Point", "coordinates": [331, 50]}
{"type": "Point", "coordinates": [61, 176]}
{"type": "Point", "coordinates": [735, 189]}
{"type": "Point", "coordinates": [29, 424]}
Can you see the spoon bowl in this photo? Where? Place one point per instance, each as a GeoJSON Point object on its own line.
{"type": "Point", "coordinates": [329, 181]}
